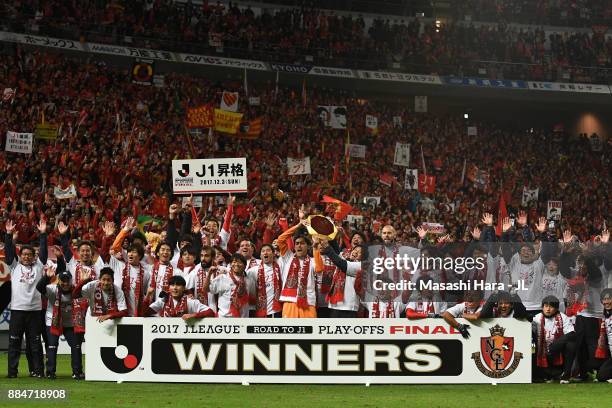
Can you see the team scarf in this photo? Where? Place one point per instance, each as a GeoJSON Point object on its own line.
{"type": "Point", "coordinates": [80, 305]}
{"type": "Point", "coordinates": [126, 286]}
{"type": "Point", "coordinates": [78, 317]}
{"type": "Point", "coordinates": [336, 293]}
{"type": "Point", "coordinates": [420, 306]}
{"type": "Point", "coordinates": [201, 294]}
{"type": "Point", "coordinates": [262, 298]}
{"type": "Point", "coordinates": [577, 295]}
{"type": "Point", "coordinates": [387, 297]}
{"type": "Point", "coordinates": [297, 281]}
{"type": "Point", "coordinates": [167, 276]}
{"type": "Point", "coordinates": [173, 308]}
{"type": "Point", "coordinates": [239, 296]}
{"type": "Point", "coordinates": [100, 306]}
{"type": "Point", "coordinates": [603, 350]}
{"type": "Point", "coordinates": [326, 277]}
{"type": "Point", "coordinates": [541, 360]}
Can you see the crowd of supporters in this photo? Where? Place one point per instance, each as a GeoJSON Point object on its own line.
{"type": "Point", "coordinates": [115, 145]}
{"type": "Point", "coordinates": [572, 13]}
{"type": "Point", "coordinates": [315, 36]}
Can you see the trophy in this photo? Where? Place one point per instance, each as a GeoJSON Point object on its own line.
{"type": "Point", "coordinates": [322, 227]}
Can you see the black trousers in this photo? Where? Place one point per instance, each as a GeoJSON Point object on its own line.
{"type": "Point", "coordinates": [5, 296]}
{"type": "Point", "coordinates": [587, 330]}
{"type": "Point", "coordinates": [74, 341]}
{"type": "Point", "coordinates": [605, 371]}
{"type": "Point", "coordinates": [39, 356]}
{"type": "Point", "coordinates": [323, 312]}
{"type": "Point", "coordinates": [342, 314]}
{"type": "Point", "coordinates": [28, 323]}
{"type": "Point", "coordinates": [566, 345]}
{"type": "Point", "coordinates": [277, 315]}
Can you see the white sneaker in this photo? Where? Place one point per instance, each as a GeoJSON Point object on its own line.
{"type": "Point", "coordinates": [609, 381]}
{"type": "Point", "coordinates": [564, 382]}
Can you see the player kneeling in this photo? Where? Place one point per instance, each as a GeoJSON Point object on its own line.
{"type": "Point", "coordinates": [176, 303]}
{"type": "Point", "coordinates": [555, 340]}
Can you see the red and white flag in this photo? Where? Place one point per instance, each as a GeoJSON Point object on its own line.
{"type": "Point", "coordinates": [229, 101]}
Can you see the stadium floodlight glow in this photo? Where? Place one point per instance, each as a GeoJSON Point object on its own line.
{"type": "Point", "coordinates": [466, 116]}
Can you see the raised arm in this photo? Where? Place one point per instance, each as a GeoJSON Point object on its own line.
{"type": "Point", "coordinates": [65, 240]}
{"type": "Point", "coordinates": [549, 242]}
{"type": "Point", "coordinates": [125, 231]}
{"type": "Point", "coordinates": [227, 220]}
{"type": "Point", "coordinates": [41, 286]}
{"type": "Point", "coordinates": [284, 237]}
{"type": "Point", "coordinates": [172, 234]}
{"type": "Point", "coordinates": [10, 252]}
{"type": "Point", "coordinates": [43, 251]}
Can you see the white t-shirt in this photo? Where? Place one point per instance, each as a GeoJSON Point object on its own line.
{"type": "Point", "coordinates": [24, 295]}
{"type": "Point", "coordinates": [97, 267]}
{"type": "Point", "coordinates": [531, 275]}
{"type": "Point", "coordinates": [554, 285]}
{"type": "Point", "coordinates": [608, 323]}
{"type": "Point", "coordinates": [193, 305]}
{"type": "Point", "coordinates": [427, 306]}
{"type": "Point", "coordinates": [161, 272]}
{"type": "Point", "coordinates": [193, 282]}
{"type": "Point", "coordinates": [351, 299]}
{"type": "Point", "coordinates": [285, 264]}
{"type": "Point", "coordinates": [550, 326]}
{"type": "Point", "coordinates": [223, 286]}
{"type": "Point", "coordinates": [252, 274]}
{"type": "Point", "coordinates": [88, 292]}
{"type": "Point", "coordinates": [460, 308]}
{"type": "Point", "coordinates": [118, 267]}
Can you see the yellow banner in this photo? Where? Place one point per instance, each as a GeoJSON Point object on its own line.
{"type": "Point", "coordinates": [227, 122]}
{"type": "Point", "coordinates": [46, 131]}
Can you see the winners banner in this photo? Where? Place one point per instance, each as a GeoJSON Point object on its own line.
{"type": "Point", "coordinates": [358, 351]}
{"type": "Point", "coordinates": [222, 175]}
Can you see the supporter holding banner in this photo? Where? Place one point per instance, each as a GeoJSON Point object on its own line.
{"type": "Point", "coordinates": [371, 124]}
{"type": "Point", "coordinates": [296, 167]}
{"type": "Point", "coordinates": [529, 195]}
{"type": "Point", "coordinates": [18, 142]}
{"type": "Point", "coordinates": [332, 116]}
{"type": "Point", "coordinates": [64, 194]}
{"type": "Point", "coordinates": [227, 122]}
{"type": "Point", "coordinates": [201, 117]}
{"type": "Point", "coordinates": [201, 176]}
{"type": "Point", "coordinates": [229, 101]}
{"type": "Point", "coordinates": [143, 72]}
{"type": "Point", "coordinates": [412, 179]}
{"type": "Point", "coordinates": [46, 131]}
{"type": "Point", "coordinates": [554, 210]}
{"type": "Point", "coordinates": [355, 150]}
{"type": "Point", "coordinates": [420, 104]}
{"type": "Point", "coordinates": [402, 154]}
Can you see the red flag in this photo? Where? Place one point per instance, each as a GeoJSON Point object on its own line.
{"type": "Point", "coordinates": [502, 212]}
{"type": "Point", "coordinates": [342, 209]}
{"type": "Point", "coordinates": [336, 174]}
{"type": "Point", "coordinates": [194, 217]}
{"type": "Point", "coordinates": [387, 179]}
{"type": "Point", "coordinates": [427, 184]}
